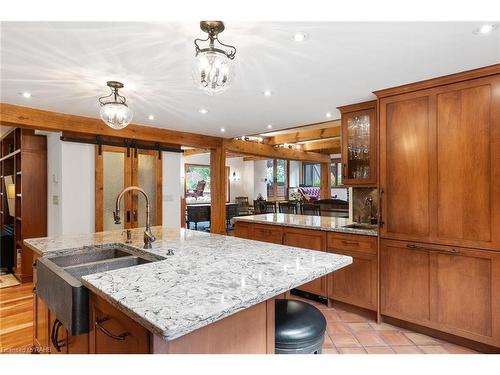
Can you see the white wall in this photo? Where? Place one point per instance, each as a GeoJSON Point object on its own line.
{"type": "Point", "coordinates": [173, 186]}
{"type": "Point", "coordinates": [259, 178]}
{"type": "Point", "coordinates": [248, 180]}
{"type": "Point", "coordinates": [295, 170]}
{"type": "Point", "coordinates": [70, 187]}
{"type": "Point", "coordinates": [203, 159]}
{"type": "Point", "coordinates": [236, 183]}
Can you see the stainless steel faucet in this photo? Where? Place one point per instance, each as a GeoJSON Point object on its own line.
{"type": "Point", "coordinates": [148, 235]}
{"type": "Point", "coordinates": [369, 202]}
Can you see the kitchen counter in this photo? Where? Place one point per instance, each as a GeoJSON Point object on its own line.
{"type": "Point", "coordinates": [324, 223]}
{"type": "Point", "coordinates": [210, 277]}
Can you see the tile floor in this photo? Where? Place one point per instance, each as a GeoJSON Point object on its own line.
{"type": "Point", "coordinates": [350, 333]}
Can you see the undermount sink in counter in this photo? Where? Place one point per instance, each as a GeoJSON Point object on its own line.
{"type": "Point", "coordinates": [59, 279]}
{"type": "Point", "coordinates": [362, 226]}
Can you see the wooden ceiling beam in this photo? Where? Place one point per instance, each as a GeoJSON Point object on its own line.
{"type": "Point", "coordinates": [331, 129]}
{"type": "Point", "coordinates": [260, 149]}
{"type": "Point", "coordinates": [321, 145]}
{"type": "Point", "coordinates": [31, 118]}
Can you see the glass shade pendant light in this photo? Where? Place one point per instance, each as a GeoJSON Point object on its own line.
{"type": "Point", "coordinates": [114, 109]}
{"type": "Point", "coordinates": [213, 71]}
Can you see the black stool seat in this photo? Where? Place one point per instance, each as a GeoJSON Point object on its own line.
{"type": "Point", "coordinates": [299, 326]}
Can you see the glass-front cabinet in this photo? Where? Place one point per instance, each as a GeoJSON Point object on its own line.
{"type": "Point", "coordinates": [359, 144]}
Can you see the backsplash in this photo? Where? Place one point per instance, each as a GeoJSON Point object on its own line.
{"type": "Point", "coordinates": [358, 199]}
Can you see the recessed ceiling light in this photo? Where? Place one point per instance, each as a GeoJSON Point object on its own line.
{"type": "Point", "coordinates": [151, 117]}
{"type": "Point", "coordinates": [203, 111]}
{"type": "Point", "coordinates": [269, 126]}
{"type": "Point", "coordinates": [328, 114]}
{"type": "Point", "coordinates": [25, 94]}
{"type": "Point", "coordinates": [268, 93]}
{"type": "Point", "coordinates": [222, 130]}
{"type": "Point", "coordinates": [485, 29]}
{"type": "Point", "coordinates": [299, 37]}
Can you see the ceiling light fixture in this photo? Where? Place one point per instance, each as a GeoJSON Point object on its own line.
{"type": "Point", "coordinates": [203, 111]}
{"type": "Point", "coordinates": [222, 130]}
{"type": "Point", "coordinates": [269, 126]}
{"type": "Point", "coordinates": [212, 71]}
{"type": "Point", "coordinates": [328, 114]}
{"type": "Point", "coordinates": [25, 95]}
{"type": "Point", "coordinates": [114, 109]}
{"type": "Point", "coordinates": [299, 37]}
{"type": "Point", "coordinates": [151, 117]}
{"type": "Point", "coordinates": [485, 29]}
{"type": "Point", "coordinates": [268, 93]}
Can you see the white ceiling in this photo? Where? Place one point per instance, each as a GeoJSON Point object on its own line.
{"type": "Point", "coordinates": [65, 66]}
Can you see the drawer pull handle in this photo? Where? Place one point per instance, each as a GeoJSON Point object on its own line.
{"type": "Point", "coordinates": [350, 242]}
{"type": "Point", "coordinates": [108, 333]}
{"type": "Point", "coordinates": [440, 251]}
{"type": "Point", "coordinates": [54, 334]}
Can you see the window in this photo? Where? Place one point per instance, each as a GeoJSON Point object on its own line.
{"type": "Point", "coordinates": [336, 172]}
{"type": "Point", "coordinates": [197, 181]}
{"type": "Point", "coordinates": [277, 179]}
{"type": "Point", "coordinates": [311, 174]}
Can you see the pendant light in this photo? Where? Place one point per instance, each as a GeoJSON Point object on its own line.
{"type": "Point", "coordinates": [212, 71]}
{"type": "Point", "coordinates": [114, 109]}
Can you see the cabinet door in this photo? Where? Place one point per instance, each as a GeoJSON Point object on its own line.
{"type": "Point", "coordinates": [405, 148]}
{"type": "Point", "coordinates": [308, 239]}
{"type": "Point", "coordinates": [355, 284]}
{"type": "Point", "coordinates": [465, 293]}
{"type": "Point", "coordinates": [112, 332]}
{"type": "Point", "coordinates": [404, 281]}
{"type": "Point", "coordinates": [468, 156]}
{"type": "Point", "coordinates": [242, 230]}
{"type": "Point", "coordinates": [267, 233]}
{"type": "Point", "coordinates": [359, 144]}
{"type": "Point", "coordinates": [40, 325]}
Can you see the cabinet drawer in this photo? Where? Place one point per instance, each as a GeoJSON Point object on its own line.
{"type": "Point", "coordinates": [364, 244]}
{"type": "Point", "coordinates": [267, 233]}
{"type": "Point", "coordinates": [112, 332]}
{"type": "Point", "coordinates": [242, 230]}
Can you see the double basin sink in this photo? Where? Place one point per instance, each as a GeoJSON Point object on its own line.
{"type": "Point", "coordinates": [59, 279]}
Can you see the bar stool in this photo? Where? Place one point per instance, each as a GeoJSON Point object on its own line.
{"type": "Point", "coordinates": [299, 328]}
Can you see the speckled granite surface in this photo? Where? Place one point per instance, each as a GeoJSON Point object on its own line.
{"type": "Point", "coordinates": [208, 278]}
{"type": "Point", "coordinates": [332, 224]}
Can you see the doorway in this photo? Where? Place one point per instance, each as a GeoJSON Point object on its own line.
{"type": "Point", "coordinates": [118, 168]}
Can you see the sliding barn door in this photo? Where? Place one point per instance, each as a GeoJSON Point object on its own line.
{"type": "Point", "coordinates": [118, 168]}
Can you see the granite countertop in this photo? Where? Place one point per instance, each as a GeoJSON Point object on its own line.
{"type": "Point", "coordinates": [207, 279]}
{"type": "Point", "coordinates": [326, 223]}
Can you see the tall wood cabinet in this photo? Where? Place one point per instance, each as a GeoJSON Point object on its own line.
{"type": "Point", "coordinates": [440, 203]}
{"type": "Point", "coordinates": [359, 144]}
{"type": "Point", "coordinates": [23, 180]}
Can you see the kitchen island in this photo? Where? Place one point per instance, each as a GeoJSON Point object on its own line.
{"type": "Point", "coordinates": [354, 285]}
{"type": "Point", "coordinates": [207, 293]}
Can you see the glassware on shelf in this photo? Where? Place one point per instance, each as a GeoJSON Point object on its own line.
{"type": "Point", "coordinates": [358, 145]}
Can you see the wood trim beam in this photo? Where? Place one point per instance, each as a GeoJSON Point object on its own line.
{"type": "Point", "coordinates": [321, 145]}
{"type": "Point", "coordinates": [260, 149]}
{"type": "Point", "coordinates": [331, 130]}
{"type": "Point", "coordinates": [218, 190]}
{"type": "Point", "coordinates": [325, 181]}
{"type": "Point", "coordinates": [31, 118]}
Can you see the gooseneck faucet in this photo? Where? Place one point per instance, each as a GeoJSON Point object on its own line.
{"type": "Point", "coordinates": [148, 235]}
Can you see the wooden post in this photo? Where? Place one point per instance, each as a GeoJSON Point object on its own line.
{"type": "Point", "coordinates": [218, 190]}
{"type": "Point", "coordinates": [326, 181]}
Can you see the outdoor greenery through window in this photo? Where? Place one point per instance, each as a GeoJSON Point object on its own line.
{"type": "Point", "coordinates": [311, 174]}
{"type": "Point", "coordinates": [277, 180]}
{"type": "Point", "coordinates": [194, 177]}
{"type": "Point", "coordinates": [336, 172]}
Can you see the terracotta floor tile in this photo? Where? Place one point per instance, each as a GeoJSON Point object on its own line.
{"type": "Point", "coordinates": [455, 349]}
{"type": "Point", "coordinates": [394, 338]}
{"type": "Point", "coordinates": [379, 350]}
{"type": "Point", "coordinates": [420, 339]}
{"type": "Point", "coordinates": [360, 327]}
{"type": "Point", "coordinates": [334, 328]}
{"type": "Point", "coordinates": [331, 315]}
{"type": "Point", "coordinates": [407, 349]}
{"type": "Point", "coordinates": [370, 339]}
{"type": "Point", "coordinates": [433, 349]}
{"type": "Point", "coordinates": [383, 327]}
{"type": "Point", "coordinates": [351, 317]}
{"type": "Point", "coordinates": [352, 351]}
{"type": "Point", "coordinates": [345, 340]}
{"type": "Point", "coordinates": [329, 351]}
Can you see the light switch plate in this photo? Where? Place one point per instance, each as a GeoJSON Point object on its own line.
{"type": "Point", "coordinates": [55, 200]}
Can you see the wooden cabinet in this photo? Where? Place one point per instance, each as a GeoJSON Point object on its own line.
{"type": "Point", "coordinates": [242, 230]}
{"type": "Point", "coordinates": [308, 239]}
{"type": "Point", "coordinates": [359, 144]}
{"type": "Point", "coordinates": [267, 233]}
{"type": "Point", "coordinates": [451, 289]}
{"type": "Point", "coordinates": [112, 332]}
{"type": "Point", "coordinates": [40, 325]}
{"type": "Point", "coordinates": [355, 284]}
{"type": "Point", "coordinates": [440, 160]}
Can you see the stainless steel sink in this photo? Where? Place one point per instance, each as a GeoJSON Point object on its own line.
{"type": "Point", "coordinates": [59, 279]}
{"type": "Point", "coordinates": [361, 226]}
